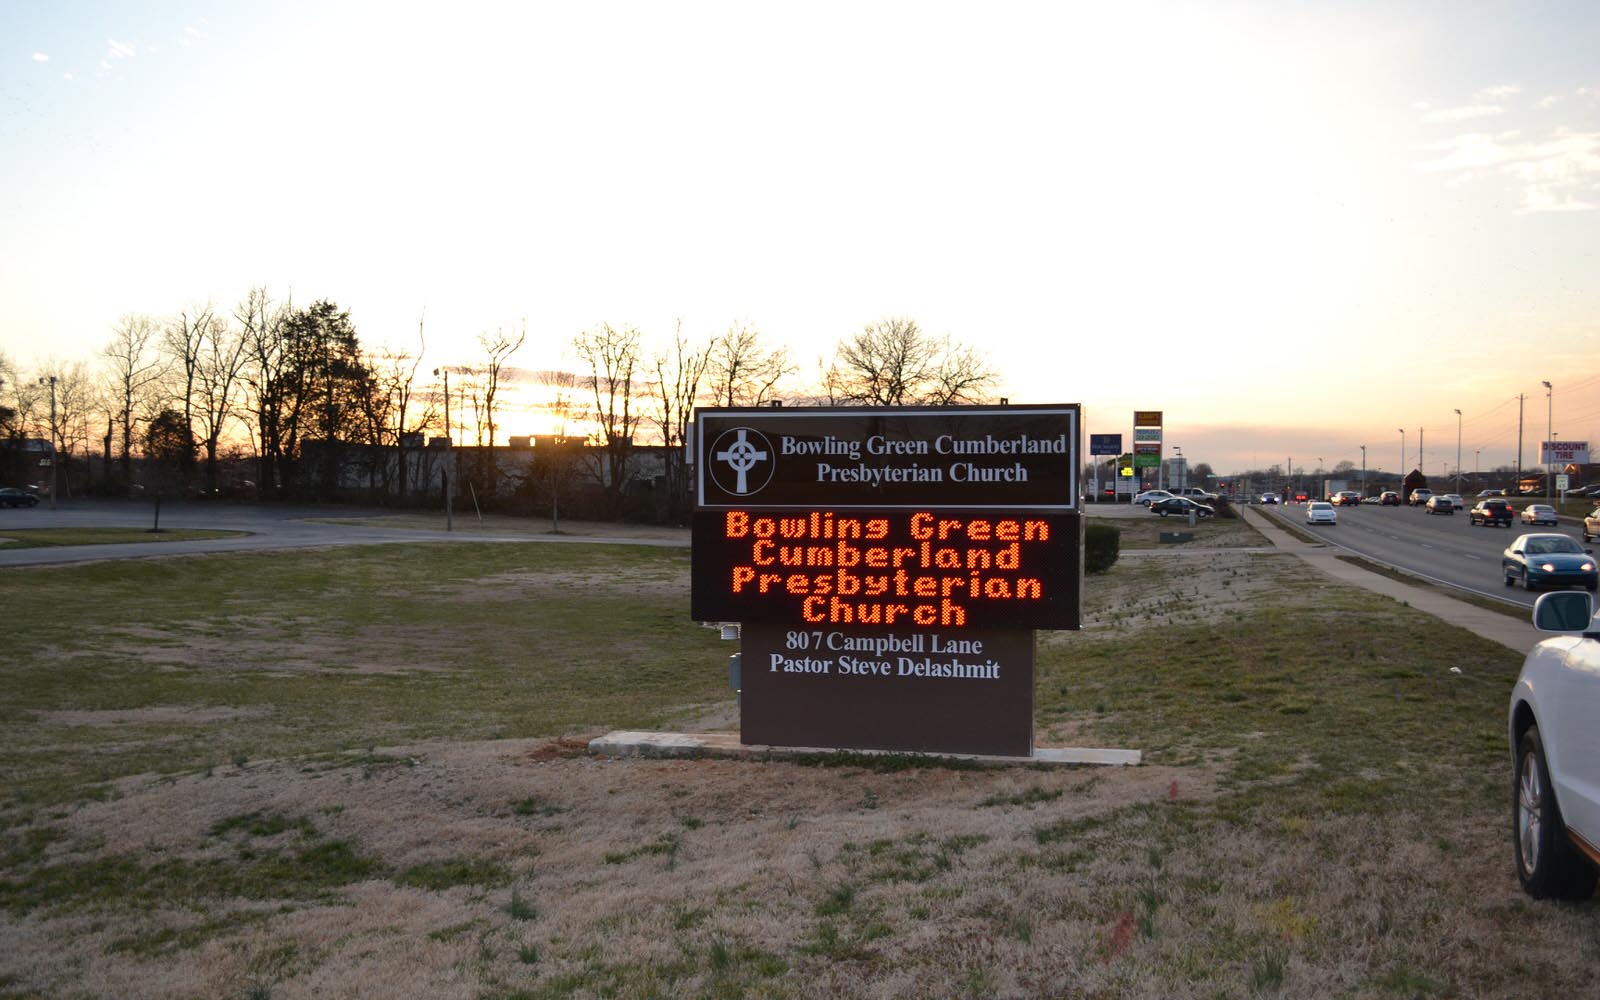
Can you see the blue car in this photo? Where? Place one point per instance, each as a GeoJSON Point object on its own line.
{"type": "Point", "coordinates": [1549, 560]}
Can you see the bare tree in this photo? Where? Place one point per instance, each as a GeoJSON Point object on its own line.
{"type": "Point", "coordinates": [893, 363]}
{"type": "Point", "coordinates": [219, 360]}
{"type": "Point", "coordinates": [741, 371]}
{"type": "Point", "coordinates": [266, 373]}
{"type": "Point", "coordinates": [185, 337]}
{"type": "Point", "coordinates": [74, 399]}
{"type": "Point", "coordinates": [612, 357]}
{"type": "Point", "coordinates": [678, 371]}
{"type": "Point", "coordinates": [396, 375]}
{"type": "Point", "coordinates": [498, 348]}
{"type": "Point", "coordinates": [134, 371]}
{"type": "Point", "coordinates": [555, 458]}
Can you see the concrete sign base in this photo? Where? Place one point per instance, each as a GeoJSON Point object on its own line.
{"type": "Point", "coordinates": [632, 743]}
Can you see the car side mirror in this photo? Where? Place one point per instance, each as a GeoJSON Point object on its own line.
{"type": "Point", "coordinates": [1563, 611]}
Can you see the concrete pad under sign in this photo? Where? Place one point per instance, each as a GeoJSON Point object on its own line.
{"type": "Point", "coordinates": [628, 743]}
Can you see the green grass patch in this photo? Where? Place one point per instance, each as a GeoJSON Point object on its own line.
{"type": "Point", "coordinates": [350, 651]}
{"type": "Point", "coordinates": [40, 538]}
{"type": "Point", "coordinates": [439, 875]}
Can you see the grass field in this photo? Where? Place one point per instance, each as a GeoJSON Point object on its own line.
{"type": "Point", "coordinates": [34, 538]}
{"type": "Point", "coordinates": [360, 773]}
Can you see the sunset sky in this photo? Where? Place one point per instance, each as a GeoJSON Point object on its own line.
{"type": "Point", "coordinates": [1293, 227]}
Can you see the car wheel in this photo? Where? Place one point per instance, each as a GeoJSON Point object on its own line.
{"type": "Point", "coordinates": [1510, 580]}
{"type": "Point", "coordinates": [1527, 581]}
{"type": "Point", "coordinates": [1548, 864]}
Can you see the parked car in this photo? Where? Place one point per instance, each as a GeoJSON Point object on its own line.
{"type": "Point", "coordinates": [1148, 496]}
{"type": "Point", "coordinates": [1183, 506]}
{"type": "Point", "coordinates": [1491, 493]}
{"type": "Point", "coordinates": [1321, 512]}
{"type": "Point", "coordinates": [1555, 753]}
{"type": "Point", "coordinates": [1539, 513]}
{"type": "Point", "coordinates": [1388, 498]}
{"type": "Point", "coordinates": [12, 497]}
{"type": "Point", "coordinates": [1549, 560]}
{"type": "Point", "coordinates": [1345, 498]}
{"type": "Point", "coordinates": [1269, 498]}
{"type": "Point", "coordinates": [1197, 494]}
{"type": "Point", "coordinates": [1439, 503]}
{"type": "Point", "coordinates": [1489, 512]}
{"type": "Point", "coordinates": [1419, 498]}
{"type": "Point", "coordinates": [1591, 524]}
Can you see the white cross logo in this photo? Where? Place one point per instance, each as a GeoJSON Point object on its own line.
{"type": "Point", "coordinates": [741, 457]}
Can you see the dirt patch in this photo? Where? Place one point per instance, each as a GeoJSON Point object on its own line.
{"type": "Point", "coordinates": [649, 856]}
{"type": "Point", "coordinates": [286, 645]}
{"type": "Point", "coordinates": [1179, 586]}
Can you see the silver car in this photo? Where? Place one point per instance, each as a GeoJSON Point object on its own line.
{"type": "Point", "coordinates": [1539, 513]}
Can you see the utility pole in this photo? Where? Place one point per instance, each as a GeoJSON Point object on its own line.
{"type": "Point", "coordinates": [1402, 484]}
{"type": "Point", "coordinates": [1516, 487]}
{"type": "Point", "coordinates": [1422, 462]}
{"type": "Point", "coordinates": [449, 453]}
{"type": "Point", "coordinates": [1549, 441]}
{"type": "Point", "coordinates": [1363, 472]}
{"type": "Point", "coordinates": [55, 453]}
{"type": "Point", "coordinates": [1458, 451]}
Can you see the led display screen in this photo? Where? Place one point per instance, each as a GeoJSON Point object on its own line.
{"type": "Point", "coordinates": [947, 569]}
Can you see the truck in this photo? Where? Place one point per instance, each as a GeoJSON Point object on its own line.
{"type": "Point", "coordinates": [1333, 487]}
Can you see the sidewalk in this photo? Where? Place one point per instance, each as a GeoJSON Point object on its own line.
{"type": "Point", "coordinates": [1517, 634]}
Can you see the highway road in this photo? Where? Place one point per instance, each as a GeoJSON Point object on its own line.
{"type": "Point", "coordinates": [1446, 549]}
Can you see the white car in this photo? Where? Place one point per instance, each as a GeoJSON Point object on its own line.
{"type": "Point", "coordinates": [1539, 513]}
{"type": "Point", "coordinates": [1147, 496]}
{"type": "Point", "coordinates": [1456, 501]}
{"type": "Point", "coordinates": [1321, 512]}
{"type": "Point", "coordinates": [1555, 752]}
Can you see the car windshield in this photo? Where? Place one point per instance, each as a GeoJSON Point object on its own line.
{"type": "Point", "coordinates": [1552, 545]}
{"type": "Point", "coordinates": [1539, 508]}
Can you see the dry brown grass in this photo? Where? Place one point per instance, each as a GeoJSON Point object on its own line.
{"type": "Point", "coordinates": [1322, 821]}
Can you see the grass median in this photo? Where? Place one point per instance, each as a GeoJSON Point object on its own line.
{"type": "Point", "coordinates": [35, 538]}
{"type": "Point", "coordinates": [363, 769]}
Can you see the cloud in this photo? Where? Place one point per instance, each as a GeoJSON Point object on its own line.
{"type": "Point", "coordinates": [1547, 101]}
{"type": "Point", "coordinates": [1500, 92]}
{"type": "Point", "coordinates": [67, 76]}
{"type": "Point", "coordinates": [1463, 113]}
{"type": "Point", "coordinates": [121, 50]}
{"type": "Point", "coordinates": [40, 57]}
{"type": "Point", "coordinates": [1557, 173]}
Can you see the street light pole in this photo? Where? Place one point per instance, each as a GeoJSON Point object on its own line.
{"type": "Point", "coordinates": [1549, 439]}
{"type": "Point", "coordinates": [1402, 483]}
{"type": "Point", "coordinates": [1363, 472]}
{"type": "Point", "coordinates": [1183, 470]}
{"type": "Point", "coordinates": [449, 453]}
{"type": "Point", "coordinates": [55, 453]}
{"type": "Point", "coordinates": [1458, 451]}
